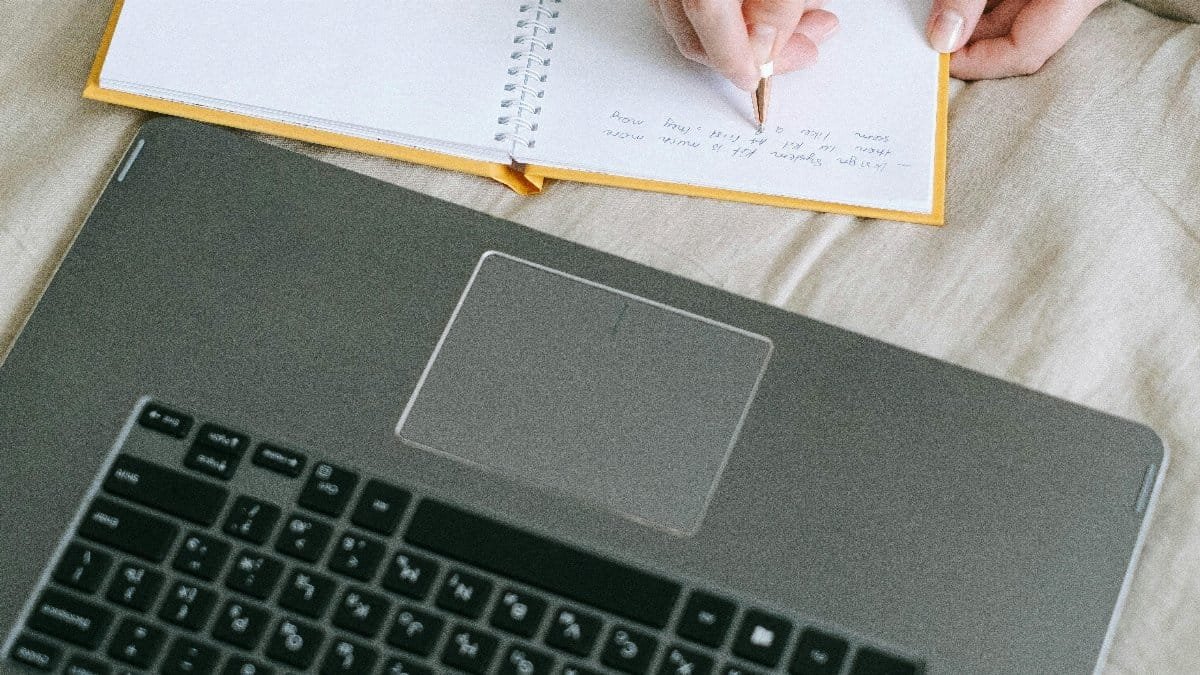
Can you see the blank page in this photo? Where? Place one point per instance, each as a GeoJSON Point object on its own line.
{"type": "Point", "coordinates": [379, 69]}
{"type": "Point", "coordinates": [858, 128]}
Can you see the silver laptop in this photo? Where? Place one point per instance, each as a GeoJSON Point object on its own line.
{"type": "Point", "coordinates": [272, 416]}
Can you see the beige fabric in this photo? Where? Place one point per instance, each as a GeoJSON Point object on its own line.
{"type": "Point", "coordinates": [1174, 9]}
{"type": "Point", "coordinates": [1070, 262]}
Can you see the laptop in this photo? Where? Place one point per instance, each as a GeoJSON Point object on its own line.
{"type": "Point", "coordinates": [273, 416]}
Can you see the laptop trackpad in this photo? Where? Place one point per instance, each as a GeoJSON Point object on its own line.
{"type": "Point", "coordinates": [587, 390]}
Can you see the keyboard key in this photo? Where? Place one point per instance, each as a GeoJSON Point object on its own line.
{"type": "Point", "coordinates": [35, 652]}
{"type": "Point", "coordinates": [201, 556]}
{"type": "Point", "coordinates": [166, 490]}
{"type": "Point", "coordinates": [165, 420]}
{"type": "Point", "coordinates": [82, 567]}
{"type": "Point", "coordinates": [683, 661]}
{"type": "Point", "coordinates": [522, 660]}
{"type": "Point", "coordinates": [67, 618]}
{"type": "Point", "coordinates": [303, 537]}
{"type": "Point", "coordinates": [254, 574]}
{"type": "Point", "coordinates": [328, 489]}
{"type": "Point", "coordinates": [361, 611]}
{"type": "Point", "coordinates": [818, 654]}
{"type": "Point", "coordinates": [464, 593]}
{"type": "Point", "coordinates": [125, 529]}
{"type": "Point", "coordinates": [573, 631]}
{"type": "Point", "coordinates": [238, 665]}
{"type": "Point", "coordinates": [380, 507]}
{"type": "Point", "coordinates": [762, 637]}
{"type": "Point", "coordinates": [415, 631]}
{"type": "Point", "coordinates": [576, 669]}
{"type": "Point", "coordinates": [628, 650]}
{"type": "Point", "coordinates": [251, 520]}
{"type": "Point", "coordinates": [294, 643]}
{"type": "Point", "coordinates": [216, 451]}
{"type": "Point", "coordinates": [283, 461]}
{"type": "Point", "coordinates": [187, 657]}
{"type": "Point", "coordinates": [356, 556]}
{"type": "Point", "coordinates": [135, 586]}
{"type": "Point", "coordinates": [136, 643]}
{"type": "Point", "coordinates": [409, 574]}
{"type": "Point", "coordinates": [212, 461]}
{"type": "Point", "coordinates": [519, 612]}
{"type": "Point", "coordinates": [348, 658]}
{"type": "Point", "coordinates": [220, 438]}
{"type": "Point", "coordinates": [706, 619]}
{"type": "Point", "coordinates": [566, 571]}
{"type": "Point", "coordinates": [240, 624]}
{"type": "Point", "coordinates": [403, 666]}
{"type": "Point", "coordinates": [307, 593]}
{"type": "Point", "coordinates": [188, 605]}
{"type": "Point", "coordinates": [469, 650]}
{"type": "Point", "coordinates": [81, 665]}
{"type": "Point", "coordinates": [872, 662]}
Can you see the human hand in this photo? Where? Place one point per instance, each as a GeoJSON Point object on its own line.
{"type": "Point", "coordinates": [736, 37]}
{"type": "Point", "coordinates": [1002, 38]}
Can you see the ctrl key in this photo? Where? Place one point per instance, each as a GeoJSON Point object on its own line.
{"type": "Point", "coordinates": [37, 653]}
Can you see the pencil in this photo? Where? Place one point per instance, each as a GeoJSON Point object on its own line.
{"type": "Point", "coordinates": [762, 94]}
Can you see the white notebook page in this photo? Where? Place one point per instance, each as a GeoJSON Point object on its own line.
{"type": "Point", "coordinates": [379, 69]}
{"type": "Point", "coordinates": [858, 128]}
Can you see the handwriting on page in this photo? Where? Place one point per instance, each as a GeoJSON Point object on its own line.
{"type": "Point", "coordinates": [861, 150]}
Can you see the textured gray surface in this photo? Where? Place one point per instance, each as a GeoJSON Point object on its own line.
{"type": "Point", "coordinates": [981, 524]}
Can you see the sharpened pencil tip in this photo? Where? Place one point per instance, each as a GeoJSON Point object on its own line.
{"type": "Point", "coordinates": [761, 98]}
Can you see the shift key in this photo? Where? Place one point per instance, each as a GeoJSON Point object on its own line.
{"type": "Point", "coordinates": [166, 490]}
{"type": "Point", "coordinates": [125, 529]}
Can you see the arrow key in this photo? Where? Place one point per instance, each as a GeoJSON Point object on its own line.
{"type": "Point", "coordinates": [280, 460]}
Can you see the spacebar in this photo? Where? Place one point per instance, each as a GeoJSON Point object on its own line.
{"type": "Point", "coordinates": [541, 562]}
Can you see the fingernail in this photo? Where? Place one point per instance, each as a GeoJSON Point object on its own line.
{"type": "Point", "coordinates": [829, 31]}
{"type": "Point", "coordinates": [762, 39]}
{"type": "Point", "coordinates": [947, 31]}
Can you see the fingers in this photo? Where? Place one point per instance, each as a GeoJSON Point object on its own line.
{"type": "Point", "coordinates": [951, 22]}
{"type": "Point", "coordinates": [801, 50]}
{"type": "Point", "coordinates": [737, 37]}
{"type": "Point", "coordinates": [722, 32]}
{"type": "Point", "coordinates": [671, 14]}
{"type": "Point", "coordinates": [1038, 30]}
{"type": "Point", "coordinates": [998, 20]}
{"type": "Point", "coordinates": [771, 25]}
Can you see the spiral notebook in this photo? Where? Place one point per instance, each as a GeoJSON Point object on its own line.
{"type": "Point", "coordinates": [523, 90]}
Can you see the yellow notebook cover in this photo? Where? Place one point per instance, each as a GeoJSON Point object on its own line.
{"type": "Point", "coordinates": [527, 179]}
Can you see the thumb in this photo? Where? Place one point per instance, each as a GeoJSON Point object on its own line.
{"type": "Point", "coordinates": [770, 24]}
{"type": "Point", "coordinates": [952, 22]}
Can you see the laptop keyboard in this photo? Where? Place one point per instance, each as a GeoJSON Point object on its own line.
{"type": "Point", "coordinates": [201, 551]}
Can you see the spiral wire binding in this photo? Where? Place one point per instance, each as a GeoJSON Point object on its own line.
{"type": "Point", "coordinates": [518, 122]}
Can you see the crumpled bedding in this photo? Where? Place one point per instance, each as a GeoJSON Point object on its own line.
{"type": "Point", "coordinates": [1069, 263]}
